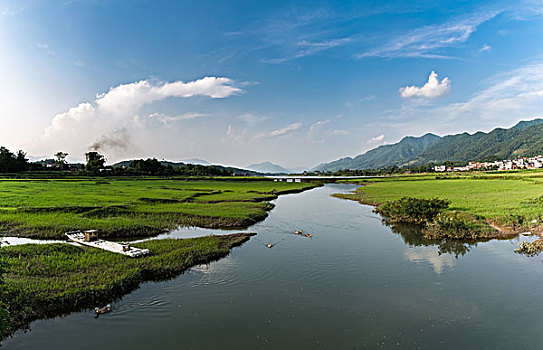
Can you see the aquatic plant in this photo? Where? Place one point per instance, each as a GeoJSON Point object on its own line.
{"type": "Point", "coordinates": [530, 248]}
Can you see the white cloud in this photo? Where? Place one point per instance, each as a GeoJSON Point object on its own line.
{"type": "Point", "coordinates": [485, 47]}
{"type": "Point", "coordinates": [340, 132]}
{"type": "Point", "coordinates": [286, 129]}
{"type": "Point", "coordinates": [516, 93]}
{"type": "Point", "coordinates": [46, 48]}
{"type": "Point", "coordinates": [307, 48]}
{"type": "Point", "coordinates": [426, 41]}
{"type": "Point", "coordinates": [167, 120]}
{"type": "Point", "coordinates": [503, 101]}
{"type": "Point", "coordinates": [376, 139]}
{"type": "Point", "coordinates": [317, 125]}
{"type": "Point", "coordinates": [432, 89]}
{"type": "Point", "coordinates": [118, 109]}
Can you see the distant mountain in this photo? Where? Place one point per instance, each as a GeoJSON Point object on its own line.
{"type": "Point", "coordinates": [196, 161]}
{"type": "Point", "coordinates": [400, 153]}
{"type": "Point", "coordinates": [268, 168]}
{"type": "Point", "coordinates": [523, 139]}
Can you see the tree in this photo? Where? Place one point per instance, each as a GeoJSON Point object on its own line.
{"type": "Point", "coordinates": [10, 162]}
{"type": "Point", "coordinates": [95, 161]}
{"type": "Point", "coordinates": [60, 162]}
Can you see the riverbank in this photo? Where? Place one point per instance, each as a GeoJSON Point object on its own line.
{"type": "Point", "coordinates": [134, 207]}
{"type": "Point", "coordinates": [43, 281]}
{"type": "Point", "coordinates": [500, 205]}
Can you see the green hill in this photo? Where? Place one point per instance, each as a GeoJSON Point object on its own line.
{"type": "Point", "coordinates": [523, 139]}
{"type": "Point", "coordinates": [398, 154]}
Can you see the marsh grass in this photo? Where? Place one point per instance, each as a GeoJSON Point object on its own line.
{"type": "Point", "coordinates": [46, 208]}
{"type": "Point", "coordinates": [46, 280]}
{"type": "Point", "coordinates": [510, 201]}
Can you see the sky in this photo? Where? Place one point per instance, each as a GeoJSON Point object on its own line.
{"type": "Point", "coordinates": [296, 83]}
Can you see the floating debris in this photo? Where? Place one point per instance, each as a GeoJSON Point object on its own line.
{"type": "Point", "coordinates": [301, 233]}
{"type": "Point", "coordinates": [102, 310]}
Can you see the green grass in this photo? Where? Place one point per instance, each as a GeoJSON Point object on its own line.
{"type": "Point", "coordinates": [46, 208]}
{"type": "Point", "coordinates": [45, 280]}
{"type": "Point", "coordinates": [499, 197]}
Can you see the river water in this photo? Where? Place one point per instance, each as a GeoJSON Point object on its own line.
{"type": "Point", "coordinates": [357, 284]}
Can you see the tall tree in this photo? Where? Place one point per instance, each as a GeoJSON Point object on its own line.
{"type": "Point", "coordinates": [60, 162]}
{"type": "Point", "coordinates": [10, 162]}
{"type": "Point", "coordinates": [95, 161]}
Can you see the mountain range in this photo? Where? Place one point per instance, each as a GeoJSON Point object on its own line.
{"type": "Point", "coordinates": [523, 139]}
{"type": "Point", "coordinates": [268, 168]}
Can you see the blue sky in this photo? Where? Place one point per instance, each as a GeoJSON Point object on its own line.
{"type": "Point", "coordinates": [295, 83]}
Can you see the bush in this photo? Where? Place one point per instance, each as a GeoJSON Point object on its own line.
{"type": "Point", "coordinates": [456, 225]}
{"type": "Point", "coordinates": [413, 210]}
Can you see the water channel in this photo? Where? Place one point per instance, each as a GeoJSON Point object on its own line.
{"type": "Point", "coordinates": [356, 284]}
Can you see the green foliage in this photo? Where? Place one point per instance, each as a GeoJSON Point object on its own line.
{"type": "Point", "coordinates": [95, 161]}
{"type": "Point", "coordinates": [152, 166]}
{"type": "Point", "coordinates": [12, 162]}
{"type": "Point", "coordinates": [454, 225]}
{"type": "Point", "coordinates": [60, 161]}
{"type": "Point", "coordinates": [412, 210]}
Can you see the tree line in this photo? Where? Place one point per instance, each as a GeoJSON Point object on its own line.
{"type": "Point", "coordinates": [95, 164]}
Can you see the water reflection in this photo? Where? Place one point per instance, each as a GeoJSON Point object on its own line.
{"type": "Point", "coordinates": [428, 254]}
{"type": "Point", "coordinates": [412, 236]}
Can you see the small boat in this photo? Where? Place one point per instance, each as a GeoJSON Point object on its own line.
{"type": "Point", "coordinates": [269, 245]}
{"type": "Point", "coordinates": [299, 232]}
{"type": "Point", "coordinates": [90, 238]}
{"type": "Point", "coordinates": [103, 310]}
{"type": "Point", "coordinates": [308, 235]}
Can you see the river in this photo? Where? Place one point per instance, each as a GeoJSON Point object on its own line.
{"type": "Point", "coordinates": [356, 284]}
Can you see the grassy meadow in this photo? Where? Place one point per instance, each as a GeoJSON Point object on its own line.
{"type": "Point", "coordinates": [122, 207]}
{"type": "Point", "coordinates": [501, 198]}
{"type": "Point", "coordinates": [45, 280]}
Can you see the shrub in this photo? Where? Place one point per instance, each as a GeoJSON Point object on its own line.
{"type": "Point", "coordinates": [413, 210]}
{"type": "Point", "coordinates": [456, 225]}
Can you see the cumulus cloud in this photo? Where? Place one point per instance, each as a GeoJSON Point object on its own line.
{"type": "Point", "coordinates": [503, 101]}
{"type": "Point", "coordinates": [111, 119]}
{"type": "Point", "coordinates": [432, 89]}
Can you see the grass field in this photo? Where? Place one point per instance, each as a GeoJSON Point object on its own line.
{"type": "Point", "coordinates": [498, 197]}
{"type": "Point", "coordinates": [46, 208]}
{"type": "Point", "coordinates": [45, 280]}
